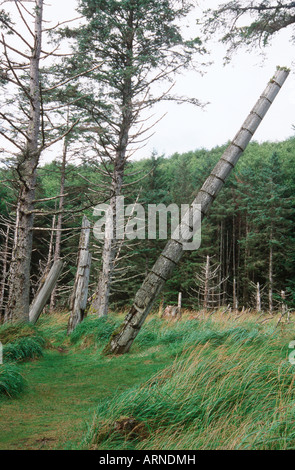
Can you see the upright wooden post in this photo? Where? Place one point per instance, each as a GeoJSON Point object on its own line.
{"type": "Point", "coordinates": [284, 306]}
{"type": "Point", "coordinates": [258, 298]}
{"type": "Point", "coordinates": [179, 304]}
{"type": "Point", "coordinates": [122, 340]}
{"type": "Point", "coordinates": [79, 297]}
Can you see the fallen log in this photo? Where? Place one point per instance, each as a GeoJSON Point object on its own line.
{"type": "Point", "coordinates": [43, 295]}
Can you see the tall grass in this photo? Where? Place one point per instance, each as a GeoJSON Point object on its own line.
{"type": "Point", "coordinates": [232, 387]}
{"type": "Point", "coordinates": [12, 331]}
{"type": "Point", "coordinates": [23, 349]}
{"type": "Point", "coordinates": [11, 380]}
{"type": "Point", "coordinates": [94, 330]}
{"type": "Point", "coordinates": [21, 341]}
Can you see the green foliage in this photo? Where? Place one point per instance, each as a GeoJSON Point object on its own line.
{"type": "Point", "coordinates": [11, 380]}
{"type": "Point", "coordinates": [21, 342]}
{"type": "Point", "coordinates": [95, 329]}
{"type": "Point", "coordinates": [258, 196]}
{"type": "Point", "coordinates": [23, 349]}
{"type": "Point", "coordinates": [214, 396]}
{"type": "Point", "coordinates": [135, 44]}
{"type": "Point", "coordinates": [10, 332]}
{"type": "Point", "coordinates": [262, 20]}
{"type": "Point", "coordinates": [218, 383]}
{"type": "Point", "coordinates": [63, 388]}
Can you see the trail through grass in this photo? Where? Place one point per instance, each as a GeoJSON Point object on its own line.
{"type": "Point", "coordinates": [64, 388]}
{"type": "Point", "coordinates": [231, 387]}
{"type": "Point", "coordinates": [212, 383]}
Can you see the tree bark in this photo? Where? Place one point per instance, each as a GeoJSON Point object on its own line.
{"type": "Point", "coordinates": [100, 303]}
{"type": "Point", "coordinates": [80, 292]}
{"type": "Point", "coordinates": [50, 249]}
{"type": "Point", "coordinates": [235, 288]}
{"type": "Point", "coordinates": [206, 286]}
{"type": "Point", "coordinates": [44, 294]}
{"type": "Point", "coordinates": [235, 298]}
{"type": "Point", "coordinates": [270, 276]}
{"type": "Point", "coordinates": [4, 271]}
{"type": "Point", "coordinates": [121, 341]}
{"type": "Point", "coordinates": [283, 305]}
{"type": "Point", "coordinates": [19, 275]}
{"type": "Point", "coordinates": [57, 250]}
{"type": "Point", "coordinates": [179, 304]}
{"type": "Point", "coordinates": [258, 297]}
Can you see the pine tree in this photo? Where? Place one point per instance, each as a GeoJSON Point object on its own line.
{"type": "Point", "coordinates": [137, 43]}
{"type": "Point", "coordinates": [269, 209]}
{"type": "Point", "coordinates": [263, 20]}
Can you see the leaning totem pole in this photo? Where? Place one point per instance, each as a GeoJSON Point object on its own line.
{"type": "Point", "coordinates": [122, 339]}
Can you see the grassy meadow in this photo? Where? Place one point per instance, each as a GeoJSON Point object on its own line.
{"type": "Point", "coordinates": [207, 381]}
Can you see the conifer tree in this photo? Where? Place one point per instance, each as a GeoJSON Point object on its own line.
{"type": "Point", "coordinates": [137, 43]}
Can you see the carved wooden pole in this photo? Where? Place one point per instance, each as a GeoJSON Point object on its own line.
{"type": "Point", "coordinates": [123, 338]}
{"type": "Point", "coordinates": [79, 297]}
{"type": "Point", "coordinates": [41, 298]}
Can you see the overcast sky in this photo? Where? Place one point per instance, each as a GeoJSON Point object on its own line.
{"type": "Point", "coordinates": [231, 90]}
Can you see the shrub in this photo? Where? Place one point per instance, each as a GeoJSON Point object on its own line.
{"type": "Point", "coordinates": [10, 332]}
{"type": "Point", "coordinates": [97, 330]}
{"type": "Point", "coordinates": [233, 389]}
{"type": "Point", "coordinates": [11, 381]}
{"type": "Point", "coordinates": [24, 348]}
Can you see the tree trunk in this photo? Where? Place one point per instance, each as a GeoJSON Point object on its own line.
{"type": "Point", "coordinates": [57, 250]}
{"type": "Point", "coordinates": [4, 271]}
{"type": "Point", "coordinates": [100, 303]}
{"type": "Point", "coordinates": [235, 288]}
{"type": "Point", "coordinates": [19, 275]}
{"type": "Point", "coordinates": [206, 286]}
{"type": "Point", "coordinates": [80, 292]}
{"type": "Point", "coordinates": [179, 304]}
{"type": "Point", "coordinates": [235, 298]}
{"type": "Point", "coordinates": [270, 276]}
{"type": "Point", "coordinates": [258, 298]}
{"type": "Point", "coordinates": [40, 300]}
{"type": "Point", "coordinates": [246, 256]}
{"type": "Point", "coordinates": [49, 260]}
{"type": "Point", "coordinates": [283, 305]}
{"type": "Point", "coordinates": [122, 339]}
{"type": "Point", "coordinates": [220, 262]}
{"type": "Point", "coordinates": [50, 249]}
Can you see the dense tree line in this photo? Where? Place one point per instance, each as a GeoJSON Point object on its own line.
{"type": "Point", "coordinates": [93, 99]}
{"type": "Point", "coordinates": [248, 232]}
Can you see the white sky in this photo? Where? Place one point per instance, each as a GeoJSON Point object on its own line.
{"type": "Point", "coordinates": [231, 90]}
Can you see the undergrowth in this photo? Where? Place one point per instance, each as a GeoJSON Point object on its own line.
{"type": "Point", "coordinates": [11, 380]}
{"type": "Point", "coordinates": [10, 332]}
{"type": "Point", "coordinates": [94, 330]}
{"type": "Point", "coordinates": [229, 384]}
{"type": "Point", "coordinates": [231, 387]}
{"type": "Point", "coordinates": [23, 349]}
{"type": "Point", "coordinates": [20, 343]}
